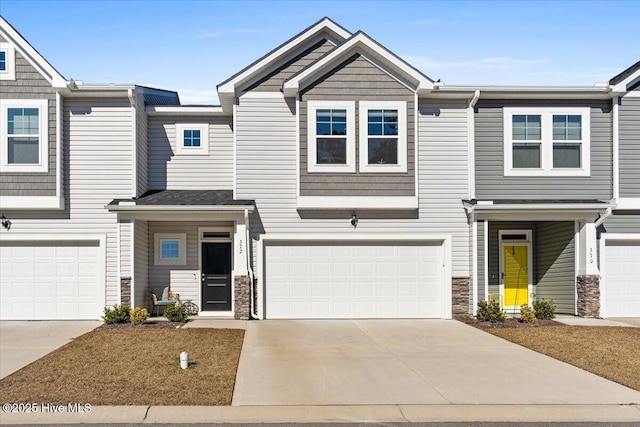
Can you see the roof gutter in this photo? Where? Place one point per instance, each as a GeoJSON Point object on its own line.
{"type": "Point", "coordinates": [180, 208]}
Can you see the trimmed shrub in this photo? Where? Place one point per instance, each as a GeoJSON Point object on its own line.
{"type": "Point", "coordinates": [176, 313]}
{"type": "Point", "coordinates": [117, 314]}
{"type": "Point", "coordinates": [138, 315]}
{"type": "Point", "coordinates": [544, 309]}
{"type": "Point", "coordinates": [490, 311]}
{"type": "Point", "coordinates": [527, 314]}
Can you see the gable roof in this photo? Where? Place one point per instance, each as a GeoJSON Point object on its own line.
{"type": "Point", "coordinates": [359, 42]}
{"type": "Point", "coordinates": [227, 89]}
{"type": "Point", "coordinates": [30, 54]}
{"type": "Point", "coordinates": [627, 78]}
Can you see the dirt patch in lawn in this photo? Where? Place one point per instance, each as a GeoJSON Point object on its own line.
{"type": "Point", "coordinates": [509, 323]}
{"type": "Point", "coordinates": [133, 366]}
{"type": "Point", "coordinates": [610, 352]}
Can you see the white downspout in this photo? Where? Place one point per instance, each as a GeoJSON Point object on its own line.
{"type": "Point", "coordinates": [471, 133]}
{"type": "Point", "coordinates": [600, 220]}
{"type": "Point", "coordinates": [249, 246]}
{"type": "Point", "coordinates": [616, 150]}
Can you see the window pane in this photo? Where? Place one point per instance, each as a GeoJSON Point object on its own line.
{"type": "Point", "coordinates": [574, 128]}
{"type": "Point", "coordinates": [331, 122]}
{"type": "Point", "coordinates": [526, 156]}
{"type": "Point", "coordinates": [170, 248]}
{"type": "Point", "coordinates": [526, 127]}
{"type": "Point", "coordinates": [22, 121]}
{"type": "Point", "coordinates": [375, 128]}
{"type": "Point", "coordinates": [23, 151]}
{"type": "Point", "coordinates": [383, 151]}
{"type": "Point", "coordinates": [567, 127]}
{"type": "Point", "coordinates": [375, 116]}
{"type": "Point", "coordinates": [3, 60]}
{"type": "Point", "coordinates": [390, 128]}
{"type": "Point", "coordinates": [559, 127]}
{"type": "Point", "coordinates": [566, 155]}
{"type": "Point", "coordinates": [332, 151]}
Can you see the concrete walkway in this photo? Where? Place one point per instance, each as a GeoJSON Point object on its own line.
{"type": "Point", "coordinates": [620, 322]}
{"type": "Point", "coordinates": [23, 342]}
{"type": "Point", "coordinates": [405, 362]}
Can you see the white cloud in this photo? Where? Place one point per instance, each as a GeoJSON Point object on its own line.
{"type": "Point", "coordinates": [209, 34]}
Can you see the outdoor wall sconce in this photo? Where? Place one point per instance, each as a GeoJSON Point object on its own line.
{"type": "Point", "coordinates": [6, 223]}
{"type": "Point", "coordinates": [354, 220]}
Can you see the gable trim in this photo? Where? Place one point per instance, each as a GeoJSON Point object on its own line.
{"type": "Point", "coordinates": [31, 55]}
{"type": "Point", "coordinates": [229, 85]}
{"type": "Point", "coordinates": [363, 42]}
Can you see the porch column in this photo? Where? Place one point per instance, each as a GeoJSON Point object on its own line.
{"type": "Point", "coordinates": [588, 280]}
{"type": "Point", "coordinates": [241, 281]}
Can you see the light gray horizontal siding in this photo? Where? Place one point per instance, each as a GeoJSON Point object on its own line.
{"type": "Point", "coordinates": [169, 171]}
{"type": "Point", "coordinates": [182, 279]}
{"type": "Point", "coordinates": [274, 80]}
{"type": "Point", "coordinates": [489, 154]}
{"type": "Point", "coordinates": [555, 264]}
{"type": "Point", "coordinates": [623, 222]}
{"type": "Point", "coordinates": [29, 84]}
{"type": "Point", "coordinates": [357, 80]}
{"type": "Point", "coordinates": [629, 146]}
{"type": "Point", "coordinates": [266, 172]}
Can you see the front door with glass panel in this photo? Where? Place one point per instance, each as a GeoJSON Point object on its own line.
{"type": "Point", "coordinates": [216, 276]}
{"type": "Point", "coordinates": [515, 276]}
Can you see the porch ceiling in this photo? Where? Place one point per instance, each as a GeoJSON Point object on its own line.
{"type": "Point", "coordinates": [537, 210]}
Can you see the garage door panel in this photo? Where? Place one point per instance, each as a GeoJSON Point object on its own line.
{"type": "Point", "coordinates": [50, 280]}
{"type": "Point", "coordinates": [622, 270]}
{"type": "Point", "coordinates": [353, 280]}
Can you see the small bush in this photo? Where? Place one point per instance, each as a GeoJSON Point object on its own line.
{"type": "Point", "coordinates": [138, 315]}
{"type": "Point", "coordinates": [544, 309]}
{"type": "Point", "coordinates": [527, 314]}
{"type": "Point", "coordinates": [490, 311]}
{"type": "Point", "coordinates": [176, 313]}
{"type": "Point", "coordinates": [117, 314]}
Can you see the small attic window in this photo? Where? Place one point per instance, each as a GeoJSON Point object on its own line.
{"type": "Point", "coordinates": [7, 62]}
{"type": "Point", "coordinates": [192, 139]}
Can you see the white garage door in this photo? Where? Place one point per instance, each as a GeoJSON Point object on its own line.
{"type": "Point", "coordinates": [622, 273]}
{"type": "Point", "coordinates": [354, 280]}
{"type": "Point", "coordinates": [50, 280]}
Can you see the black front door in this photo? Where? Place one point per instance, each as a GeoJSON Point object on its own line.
{"type": "Point", "coordinates": [216, 277]}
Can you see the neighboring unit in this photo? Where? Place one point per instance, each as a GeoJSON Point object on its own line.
{"type": "Point", "coordinates": [334, 181]}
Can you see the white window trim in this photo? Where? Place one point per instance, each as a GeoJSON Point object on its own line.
{"type": "Point", "coordinates": [43, 112]}
{"type": "Point", "coordinates": [203, 150]}
{"type": "Point", "coordinates": [182, 249]}
{"type": "Point", "coordinates": [10, 72]}
{"type": "Point", "coordinates": [312, 154]}
{"type": "Point", "coordinates": [546, 160]}
{"type": "Point", "coordinates": [364, 107]}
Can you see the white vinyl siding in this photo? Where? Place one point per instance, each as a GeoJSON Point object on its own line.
{"type": "Point", "coordinates": [142, 152]}
{"type": "Point", "coordinates": [97, 136]}
{"type": "Point", "coordinates": [140, 295]}
{"type": "Point", "coordinates": [168, 170]}
{"type": "Point", "coordinates": [126, 242]}
{"type": "Point", "coordinates": [266, 172]}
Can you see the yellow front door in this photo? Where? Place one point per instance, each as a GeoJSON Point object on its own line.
{"type": "Point", "coordinates": [516, 275]}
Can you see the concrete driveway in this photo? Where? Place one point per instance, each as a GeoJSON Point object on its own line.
{"type": "Point", "coordinates": [22, 342]}
{"type": "Point", "coordinates": [355, 362]}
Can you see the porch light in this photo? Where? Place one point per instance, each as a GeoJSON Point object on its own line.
{"type": "Point", "coordinates": [354, 220]}
{"type": "Point", "coordinates": [6, 223]}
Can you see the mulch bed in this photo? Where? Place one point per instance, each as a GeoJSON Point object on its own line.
{"type": "Point", "coordinates": [133, 365]}
{"type": "Point", "coordinates": [149, 324]}
{"type": "Point", "coordinates": [509, 323]}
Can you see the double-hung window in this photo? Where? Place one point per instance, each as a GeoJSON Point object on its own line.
{"type": "Point", "coordinates": [192, 139]}
{"type": "Point", "coordinates": [7, 61]}
{"type": "Point", "coordinates": [547, 141]}
{"type": "Point", "coordinates": [383, 136]}
{"type": "Point", "coordinates": [24, 137]}
{"type": "Point", "coordinates": [331, 136]}
{"type": "Point", "coordinates": [170, 249]}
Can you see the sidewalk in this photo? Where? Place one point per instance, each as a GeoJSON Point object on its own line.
{"type": "Point", "coordinates": [590, 321]}
{"type": "Point", "coordinates": [335, 414]}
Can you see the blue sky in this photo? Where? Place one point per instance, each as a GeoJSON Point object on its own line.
{"type": "Point", "coordinates": [191, 46]}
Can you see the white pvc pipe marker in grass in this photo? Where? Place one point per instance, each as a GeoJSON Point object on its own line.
{"type": "Point", "coordinates": [184, 360]}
